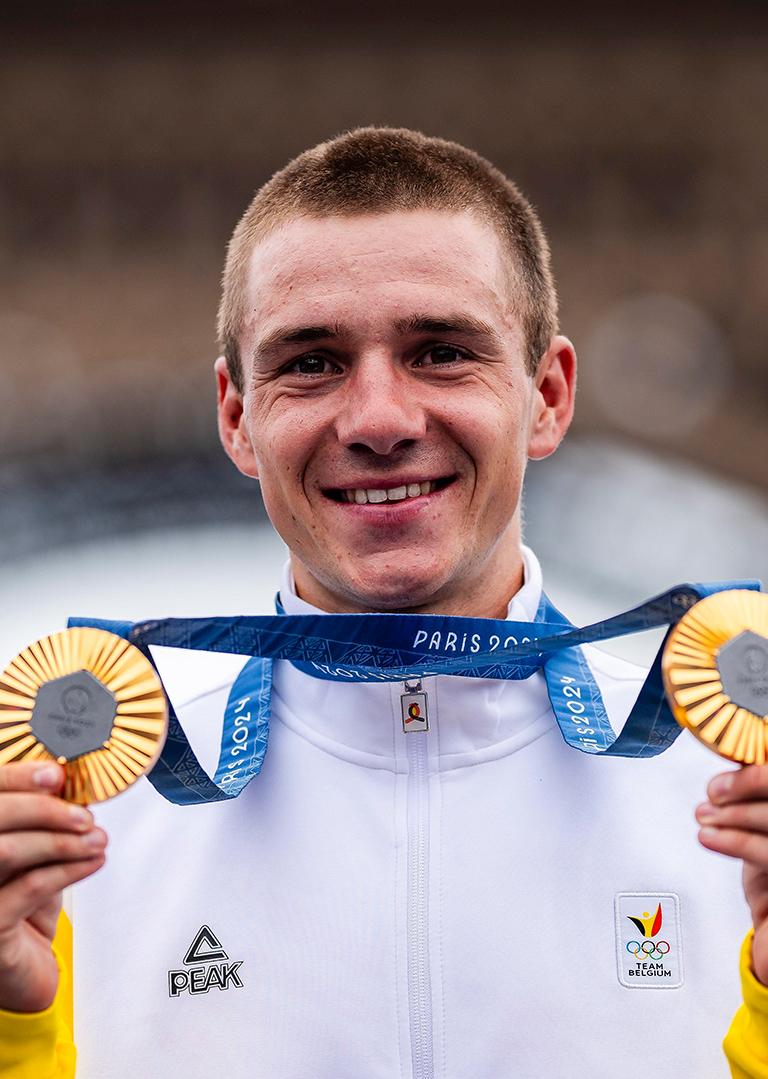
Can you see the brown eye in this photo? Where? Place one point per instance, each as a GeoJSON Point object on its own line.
{"type": "Point", "coordinates": [311, 365]}
{"type": "Point", "coordinates": [442, 354]}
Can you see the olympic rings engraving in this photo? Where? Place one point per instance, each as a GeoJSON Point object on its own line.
{"type": "Point", "coordinates": [649, 949]}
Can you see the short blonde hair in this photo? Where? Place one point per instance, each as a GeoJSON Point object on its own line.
{"type": "Point", "coordinates": [380, 170]}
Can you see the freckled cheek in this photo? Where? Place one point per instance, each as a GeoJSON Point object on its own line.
{"type": "Point", "coordinates": [497, 449]}
{"type": "Point", "coordinates": [483, 422]}
{"type": "Point", "coordinates": [500, 464]}
{"type": "Point", "coordinates": [283, 446]}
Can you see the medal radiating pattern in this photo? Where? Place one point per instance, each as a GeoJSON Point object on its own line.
{"type": "Point", "coordinates": [715, 670]}
{"type": "Point", "coordinates": [90, 700]}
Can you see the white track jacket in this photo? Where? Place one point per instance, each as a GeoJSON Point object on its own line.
{"type": "Point", "coordinates": [475, 902]}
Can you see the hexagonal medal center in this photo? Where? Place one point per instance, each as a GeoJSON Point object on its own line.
{"type": "Point", "coordinates": [73, 715]}
{"type": "Point", "coordinates": [743, 666]}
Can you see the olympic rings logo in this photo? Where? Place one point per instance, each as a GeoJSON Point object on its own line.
{"type": "Point", "coordinates": [649, 949]}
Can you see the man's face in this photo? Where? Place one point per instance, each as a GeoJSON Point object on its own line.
{"type": "Point", "coordinates": [387, 411]}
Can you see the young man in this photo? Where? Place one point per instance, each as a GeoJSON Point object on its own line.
{"type": "Point", "coordinates": [452, 901]}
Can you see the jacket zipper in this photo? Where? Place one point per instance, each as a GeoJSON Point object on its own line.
{"type": "Point", "coordinates": [419, 984]}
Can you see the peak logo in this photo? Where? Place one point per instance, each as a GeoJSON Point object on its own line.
{"type": "Point", "coordinates": [207, 966]}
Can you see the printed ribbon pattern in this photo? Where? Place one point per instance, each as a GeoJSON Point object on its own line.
{"type": "Point", "coordinates": [396, 647]}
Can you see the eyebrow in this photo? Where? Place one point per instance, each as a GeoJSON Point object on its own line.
{"type": "Point", "coordinates": [300, 335]}
{"type": "Point", "coordinates": [466, 324]}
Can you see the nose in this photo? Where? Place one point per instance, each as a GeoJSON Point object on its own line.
{"type": "Point", "coordinates": [381, 411]}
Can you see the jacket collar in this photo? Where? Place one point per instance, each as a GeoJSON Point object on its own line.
{"type": "Point", "coordinates": [470, 718]}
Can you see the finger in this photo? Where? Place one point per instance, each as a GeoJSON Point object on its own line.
{"type": "Point", "coordinates": [45, 918]}
{"type": "Point", "coordinates": [751, 847]}
{"type": "Point", "coordinates": [42, 812]}
{"type": "Point", "coordinates": [23, 896]}
{"type": "Point", "coordinates": [743, 784]}
{"type": "Point", "coordinates": [747, 816]}
{"type": "Point", "coordinates": [31, 776]}
{"type": "Point", "coordinates": [20, 851]}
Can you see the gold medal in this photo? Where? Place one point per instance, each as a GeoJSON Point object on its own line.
{"type": "Point", "coordinates": [89, 700]}
{"type": "Point", "coordinates": [715, 670]}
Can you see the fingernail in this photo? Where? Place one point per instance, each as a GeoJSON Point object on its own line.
{"type": "Point", "coordinates": [80, 815]}
{"type": "Point", "coordinates": [708, 833]}
{"type": "Point", "coordinates": [95, 839]}
{"type": "Point", "coordinates": [720, 786]}
{"type": "Point", "coordinates": [47, 777]}
{"type": "Point", "coordinates": [705, 813]}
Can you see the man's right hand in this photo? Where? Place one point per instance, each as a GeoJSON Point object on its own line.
{"type": "Point", "coordinates": [46, 844]}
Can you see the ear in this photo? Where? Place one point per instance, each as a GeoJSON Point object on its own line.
{"type": "Point", "coordinates": [233, 431]}
{"type": "Point", "coordinates": [553, 398]}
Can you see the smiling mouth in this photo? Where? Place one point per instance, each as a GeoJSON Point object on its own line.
{"type": "Point", "coordinates": [378, 495]}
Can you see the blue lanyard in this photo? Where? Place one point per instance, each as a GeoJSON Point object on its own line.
{"type": "Point", "coordinates": [398, 647]}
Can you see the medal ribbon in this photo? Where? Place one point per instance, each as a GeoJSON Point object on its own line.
{"type": "Point", "coordinates": [400, 647]}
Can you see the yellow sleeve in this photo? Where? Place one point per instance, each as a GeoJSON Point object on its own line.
{"type": "Point", "coordinates": [746, 1044]}
{"type": "Point", "coordinates": [39, 1045]}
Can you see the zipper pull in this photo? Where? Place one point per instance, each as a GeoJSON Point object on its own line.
{"type": "Point", "coordinates": [413, 704]}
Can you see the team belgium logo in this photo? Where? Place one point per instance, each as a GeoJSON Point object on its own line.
{"type": "Point", "coordinates": [649, 942]}
{"type": "Point", "coordinates": [649, 926]}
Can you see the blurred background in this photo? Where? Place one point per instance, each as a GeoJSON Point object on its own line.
{"type": "Point", "coordinates": [133, 136]}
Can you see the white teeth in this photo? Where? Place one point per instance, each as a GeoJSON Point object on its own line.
{"type": "Point", "coordinates": [363, 495]}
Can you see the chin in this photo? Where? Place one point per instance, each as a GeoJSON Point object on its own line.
{"type": "Point", "coordinates": [397, 588]}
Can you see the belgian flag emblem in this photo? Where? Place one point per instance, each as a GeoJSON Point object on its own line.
{"type": "Point", "coordinates": [650, 924]}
